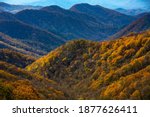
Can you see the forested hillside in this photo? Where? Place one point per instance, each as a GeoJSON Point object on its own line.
{"type": "Point", "coordinates": [81, 69]}
{"type": "Point", "coordinates": [118, 69]}
{"type": "Point", "coordinates": [85, 52]}
{"type": "Point", "coordinates": [18, 84]}
{"type": "Point", "coordinates": [7, 42]}
{"type": "Point", "coordinates": [15, 58]}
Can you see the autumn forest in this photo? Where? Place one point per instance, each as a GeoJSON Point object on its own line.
{"type": "Point", "coordinates": [82, 53]}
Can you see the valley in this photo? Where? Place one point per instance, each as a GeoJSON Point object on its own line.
{"type": "Point", "coordinates": [82, 53]}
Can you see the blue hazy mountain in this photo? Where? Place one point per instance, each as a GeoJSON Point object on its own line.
{"type": "Point", "coordinates": [15, 8]}
{"type": "Point", "coordinates": [95, 25]}
{"type": "Point", "coordinates": [36, 38]}
{"type": "Point", "coordinates": [52, 26]}
{"type": "Point", "coordinates": [131, 12]}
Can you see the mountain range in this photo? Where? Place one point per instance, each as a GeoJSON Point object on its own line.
{"type": "Point", "coordinates": [132, 12]}
{"type": "Point", "coordinates": [31, 36]}
{"type": "Point", "coordinates": [85, 52]}
{"type": "Point", "coordinates": [74, 24]}
{"type": "Point", "coordinates": [15, 8]}
{"type": "Point", "coordinates": [52, 26]}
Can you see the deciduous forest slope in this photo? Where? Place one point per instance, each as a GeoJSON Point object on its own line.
{"type": "Point", "coordinates": [117, 69]}
{"type": "Point", "coordinates": [18, 84]}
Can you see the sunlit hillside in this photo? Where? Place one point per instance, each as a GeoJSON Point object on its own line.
{"type": "Point", "coordinates": [82, 51]}
{"type": "Point", "coordinates": [117, 69]}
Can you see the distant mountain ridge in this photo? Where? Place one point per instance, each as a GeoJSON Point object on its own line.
{"type": "Point", "coordinates": [43, 55]}
{"type": "Point", "coordinates": [76, 24]}
{"type": "Point", "coordinates": [6, 16]}
{"type": "Point", "coordinates": [38, 39]}
{"type": "Point", "coordinates": [132, 12]}
{"type": "Point", "coordinates": [15, 8]}
{"type": "Point", "coordinates": [137, 26]}
{"type": "Point", "coordinates": [52, 26]}
{"type": "Point", "coordinates": [102, 14]}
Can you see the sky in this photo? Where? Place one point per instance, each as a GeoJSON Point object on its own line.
{"type": "Point", "coordinates": [128, 4]}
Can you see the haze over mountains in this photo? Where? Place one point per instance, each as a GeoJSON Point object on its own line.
{"type": "Point", "coordinates": [56, 53]}
{"type": "Point", "coordinates": [131, 12]}
{"type": "Point", "coordinates": [15, 8]}
{"type": "Point", "coordinates": [52, 26]}
{"type": "Point", "coordinates": [80, 21]}
{"type": "Point", "coordinates": [75, 25]}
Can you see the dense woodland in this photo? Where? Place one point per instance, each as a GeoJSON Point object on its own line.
{"type": "Point", "coordinates": [85, 52]}
{"type": "Point", "coordinates": [81, 69]}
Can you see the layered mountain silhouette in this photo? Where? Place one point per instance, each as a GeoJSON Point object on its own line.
{"type": "Point", "coordinates": [139, 25]}
{"type": "Point", "coordinates": [72, 24]}
{"type": "Point", "coordinates": [15, 8]}
{"type": "Point", "coordinates": [5, 16]}
{"type": "Point", "coordinates": [52, 26]}
{"type": "Point", "coordinates": [44, 53]}
{"type": "Point", "coordinates": [132, 12]}
{"type": "Point", "coordinates": [102, 14]}
{"type": "Point", "coordinates": [34, 37]}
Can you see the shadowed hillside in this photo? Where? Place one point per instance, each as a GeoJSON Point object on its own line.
{"type": "Point", "coordinates": [15, 58]}
{"type": "Point", "coordinates": [6, 42]}
{"type": "Point", "coordinates": [141, 24]}
{"type": "Point", "coordinates": [18, 84]}
{"type": "Point", "coordinates": [105, 15]}
{"type": "Point", "coordinates": [31, 36]}
{"type": "Point", "coordinates": [102, 23]}
{"type": "Point", "coordinates": [5, 16]}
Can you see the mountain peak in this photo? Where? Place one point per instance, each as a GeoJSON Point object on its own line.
{"type": "Point", "coordinates": [81, 4]}
{"type": "Point", "coordinates": [85, 4]}
{"type": "Point", "coordinates": [77, 7]}
{"type": "Point", "coordinates": [93, 9]}
{"type": "Point", "coordinates": [52, 8]}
